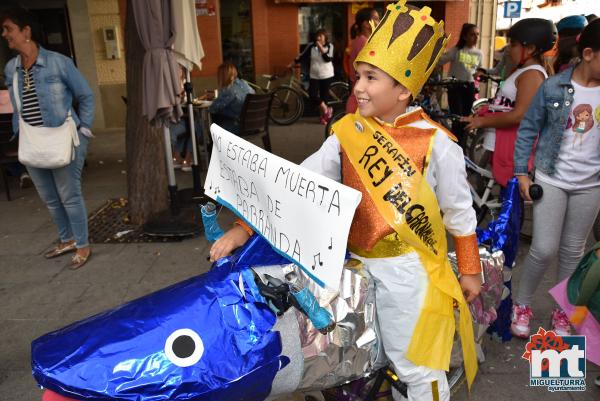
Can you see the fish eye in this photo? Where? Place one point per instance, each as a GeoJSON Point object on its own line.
{"type": "Point", "coordinates": [184, 347]}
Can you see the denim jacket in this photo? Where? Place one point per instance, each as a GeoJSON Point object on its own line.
{"type": "Point", "coordinates": [57, 83]}
{"type": "Point", "coordinates": [545, 121]}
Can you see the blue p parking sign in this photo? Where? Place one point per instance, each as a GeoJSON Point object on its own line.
{"type": "Point", "coordinates": [512, 9]}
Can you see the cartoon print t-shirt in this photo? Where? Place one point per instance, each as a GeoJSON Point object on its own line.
{"type": "Point", "coordinates": [578, 163]}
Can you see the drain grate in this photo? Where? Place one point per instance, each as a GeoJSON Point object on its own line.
{"type": "Point", "coordinates": [110, 224]}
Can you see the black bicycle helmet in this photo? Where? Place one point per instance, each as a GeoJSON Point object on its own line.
{"type": "Point", "coordinates": [534, 31]}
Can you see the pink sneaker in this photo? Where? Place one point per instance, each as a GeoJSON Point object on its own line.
{"type": "Point", "coordinates": [560, 323]}
{"type": "Point", "coordinates": [521, 314]}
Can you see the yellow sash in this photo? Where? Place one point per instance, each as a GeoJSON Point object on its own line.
{"type": "Point", "coordinates": [406, 201]}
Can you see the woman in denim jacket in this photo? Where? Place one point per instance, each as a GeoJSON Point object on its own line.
{"type": "Point", "coordinates": [48, 83]}
{"type": "Point", "coordinates": [564, 118]}
{"type": "Point", "coordinates": [226, 109]}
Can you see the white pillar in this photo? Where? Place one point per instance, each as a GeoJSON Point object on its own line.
{"type": "Point", "coordinates": [483, 14]}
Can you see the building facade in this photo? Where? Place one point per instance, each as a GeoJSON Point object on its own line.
{"type": "Point", "coordinates": [259, 36]}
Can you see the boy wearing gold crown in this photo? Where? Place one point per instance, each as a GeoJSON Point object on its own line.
{"type": "Point", "coordinates": [413, 180]}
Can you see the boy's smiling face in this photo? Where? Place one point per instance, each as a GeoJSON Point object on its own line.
{"type": "Point", "coordinates": [378, 94]}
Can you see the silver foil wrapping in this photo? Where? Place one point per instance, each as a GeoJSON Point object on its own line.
{"type": "Point", "coordinates": [352, 349]}
{"type": "Point", "coordinates": [483, 308]}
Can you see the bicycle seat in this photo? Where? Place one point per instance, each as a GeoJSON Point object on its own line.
{"type": "Point", "coordinates": [479, 103]}
{"type": "Point", "coordinates": [270, 77]}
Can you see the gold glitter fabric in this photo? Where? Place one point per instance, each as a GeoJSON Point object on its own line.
{"type": "Point", "coordinates": [390, 246]}
{"type": "Point", "coordinates": [406, 44]}
{"type": "Point", "coordinates": [467, 254]}
{"type": "Point", "coordinates": [368, 226]}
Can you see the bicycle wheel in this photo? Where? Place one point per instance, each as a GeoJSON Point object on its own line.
{"type": "Point", "coordinates": [335, 118]}
{"type": "Point", "coordinates": [287, 105]}
{"type": "Point", "coordinates": [339, 91]}
{"type": "Point", "coordinates": [375, 387]}
{"type": "Point", "coordinates": [456, 378]}
{"type": "Point", "coordinates": [477, 153]}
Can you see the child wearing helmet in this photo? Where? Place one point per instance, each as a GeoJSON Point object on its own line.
{"type": "Point", "coordinates": [412, 177]}
{"type": "Point", "coordinates": [568, 30]}
{"type": "Point", "coordinates": [564, 120]}
{"type": "Point", "coordinates": [529, 39]}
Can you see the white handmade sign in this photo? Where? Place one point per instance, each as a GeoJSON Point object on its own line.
{"type": "Point", "coordinates": [304, 215]}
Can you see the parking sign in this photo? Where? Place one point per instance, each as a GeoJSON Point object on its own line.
{"type": "Point", "coordinates": [512, 9]}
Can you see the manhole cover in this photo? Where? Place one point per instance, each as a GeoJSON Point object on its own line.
{"type": "Point", "coordinates": [110, 224]}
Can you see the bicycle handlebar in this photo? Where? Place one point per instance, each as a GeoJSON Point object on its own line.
{"type": "Point", "coordinates": [485, 77]}
{"type": "Point", "coordinates": [447, 82]}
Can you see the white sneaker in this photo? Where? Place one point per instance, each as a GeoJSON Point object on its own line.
{"type": "Point", "coordinates": [521, 315]}
{"type": "Point", "coordinates": [560, 323]}
{"type": "Point", "coordinates": [25, 181]}
{"type": "Point", "coordinates": [177, 163]}
{"type": "Point", "coordinates": [186, 167]}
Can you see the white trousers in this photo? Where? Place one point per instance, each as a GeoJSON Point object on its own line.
{"type": "Point", "coordinates": [400, 287]}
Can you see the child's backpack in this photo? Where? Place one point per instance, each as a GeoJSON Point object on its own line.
{"type": "Point", "coordinates": [579, 297]}
{"type": "Point", "coordinates": [583, 287]}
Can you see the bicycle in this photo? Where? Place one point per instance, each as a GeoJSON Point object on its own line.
{"type": "Point", "coordinates": [379, 385]}
{"type": "Point", "coordinates": [494, 81]}
{"type": "Point", "coordinates": [475, 148]}
{"type": "Point", "coordinates": [289, 98]}
{"type": "Point", "coordinates": [487, 202]}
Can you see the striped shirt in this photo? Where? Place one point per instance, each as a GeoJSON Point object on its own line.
{"type": "Point", "coordinates": [30, 110]}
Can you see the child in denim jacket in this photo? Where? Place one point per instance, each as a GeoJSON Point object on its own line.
{"type": "Point", "coordinates": [564, 118]}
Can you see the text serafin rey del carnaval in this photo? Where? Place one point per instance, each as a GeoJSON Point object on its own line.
{"type": "Point", "coordinates": [378, 169]}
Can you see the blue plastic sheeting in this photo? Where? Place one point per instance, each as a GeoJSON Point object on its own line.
{"type": "Point", "coordinates": [201, 339]}
{"type": "Point", "coordinates": [503, 233]}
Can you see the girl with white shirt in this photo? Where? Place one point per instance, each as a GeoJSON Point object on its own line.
{"type": "Point", "coordinates": [529, 39]}
{"type": "Point", "coordinates": [320, 54]}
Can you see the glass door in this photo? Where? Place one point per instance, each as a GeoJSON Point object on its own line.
{"type": "Point", "coordinates": [236, 33]}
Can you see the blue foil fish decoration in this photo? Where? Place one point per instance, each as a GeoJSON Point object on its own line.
{"type": "Point", "coordinates": [207, 338]}
{"type": "Point", "coordinates": [503, 232]}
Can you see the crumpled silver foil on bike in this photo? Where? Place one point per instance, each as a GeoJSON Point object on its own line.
{"type": "Point", "coordinates": [483, 308]}
{"type": "Point", "coordinates": [352, 349]}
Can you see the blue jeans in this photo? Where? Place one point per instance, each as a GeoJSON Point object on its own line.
{"type": "Point", "coordinates": [178, 141]}
{"type": "Point", "coordinates": [60, 189]}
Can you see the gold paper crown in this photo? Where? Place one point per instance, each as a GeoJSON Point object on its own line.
{"type": "Point", "coordinates": [406, 44]}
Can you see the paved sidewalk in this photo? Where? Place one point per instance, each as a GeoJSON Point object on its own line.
{"type": "Point", "coordinates": [39, 295]}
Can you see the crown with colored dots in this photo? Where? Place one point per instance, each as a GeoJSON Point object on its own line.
{"type": "Point", "coordinates": [406, 44]}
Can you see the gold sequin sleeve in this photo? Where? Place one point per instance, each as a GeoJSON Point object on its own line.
{"type": "Point", "coordinates": [467, 254]}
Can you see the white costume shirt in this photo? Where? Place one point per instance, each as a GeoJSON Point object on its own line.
{"type": "Point", "coordinates": [401, 282]}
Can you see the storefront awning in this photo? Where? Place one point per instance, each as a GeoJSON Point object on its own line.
{"type": "Point", "coordinates": [348, 1]}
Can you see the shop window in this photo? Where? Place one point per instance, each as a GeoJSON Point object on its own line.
{"type": "Point", "coordinates": [236, 33]}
